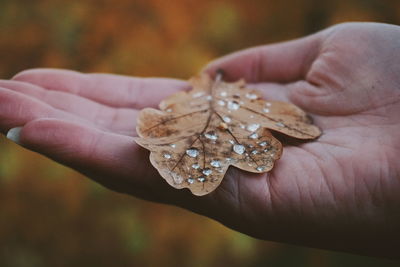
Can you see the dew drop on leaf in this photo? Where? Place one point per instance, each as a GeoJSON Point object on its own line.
{"type": "Point", "coordinates": [253, 136]}
{"type": "Point", "coordinates": [251, 96]}
{"type": "Point", "coordinates": [221, 103]}
{"type": "Point", "coordinates": [215, 163]}
{"type": "Point", "coordinates": [195, 166]}
{"type": "Point", "coordinates": [253, 127]}
{"type": "Point", "coordinates": [233, 105]}
{"type": "Point", "coordinates": [263, 143]}
{"type": "Point", "coordinates": [192, 152]}
{"type": "Point", "coordinates": [207, 171]}
{"type": "Point", "coordinates": [260, 168]}
{"type": "Point", "coordinates": [226, 119]}
{"type": "Point", "coordinates": [211, 135]}
{"type": "Point", "coordinates": [198, 94]}
{"type": "Point", "coordinates": [239, 149]}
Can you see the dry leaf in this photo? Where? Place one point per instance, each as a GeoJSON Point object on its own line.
{"type": "Point", "coordinates": [197, 135]}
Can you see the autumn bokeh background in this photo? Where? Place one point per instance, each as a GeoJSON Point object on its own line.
{"type": "Point", "coordinates": [52, 216]}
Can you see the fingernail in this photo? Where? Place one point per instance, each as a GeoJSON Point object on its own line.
{"type": "Point", "coordinates": [13, 134]}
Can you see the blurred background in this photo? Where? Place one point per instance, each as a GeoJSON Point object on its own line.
{"type": "Point", "coordinates": [52, 216]}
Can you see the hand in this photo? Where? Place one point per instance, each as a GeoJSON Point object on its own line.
{"type": "Point", "coordinates": [339, 192]}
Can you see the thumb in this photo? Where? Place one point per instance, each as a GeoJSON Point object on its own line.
{"type": "Point", "coordinates": [281, 62]}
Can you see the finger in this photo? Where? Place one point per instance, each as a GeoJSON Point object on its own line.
{"type": "Point", "coordinates": [107, 89]}
{"type": "Point", "coordinates": [111, 159]}
{"type": "Point", "coordinates": [119, 120]}
{"type": "Point", "coordinates": [281, 62]}
{"type": "Point", "coordinates": [17, 109]}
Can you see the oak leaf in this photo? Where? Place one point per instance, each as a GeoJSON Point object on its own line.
{"type": "Point", "coordinates": [197, 135]}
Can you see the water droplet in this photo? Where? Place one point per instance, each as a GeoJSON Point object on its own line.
{"type": "Point", "coordinates": [261, 168]}
{"type": "Point", "coordinates": [264, 143]}
{"type": "Point", "coordinates": [253, 127]}
{"type": "Point", "coordinates": [211, 135]}
{"type": "Point", "coordinates": [223, 94]}
{"type": "Point", "coordinates": [167, 156]}
{"type": "Point", "coordinates": [207, 171]}
{"type": "Point", "coordinates": [254, 152]}
{"type": "Point", "coordinates": [168, 110]}
{"type": "Point", "coordinates": [233, 105]}
{"type": "Point", "coordinates": [172, 145]}
{"type": "Point", "coordinates": [201, 179]}
{"type": "Point", "coordinates": [209, 98]}
{"type": "Point", "coordinates": [192, 152]}
{"type": "Point", "coordinates": [239, 149]}
{"type": "Point", "coordinates": [227, 119]}
{"type": "Point", "coordinates": [215, 163]}
{"type": "Point", "coordinates": [229, 159]}
{"type": "Point", "coordinates": [268, 104]}
{"type": "Point", "coordinates": [198, 94]}
{"type": "Point", "coordinates": [266, 150]}
{"type": "Point", "coordinates": [251, 96]}
{"type": "Point", "coordinates": [253, 136]}
{"type": "Point", "coordinates": [242, 126]}
{"type": "Point", "coordinates": [221, 102]}
{"type": "Point", "coordinates": [220, 170]}
{"type": "Point", "coordinates": [177, 178]}
{"type": "Point", "coordinates": [280, 124]}
{"type": "Point", "coordinates": [266, 110]}
{"type": "Point", "coordinates": [232, 142]}
{"type": "Point", "coordinates": [190, 180]}
{"type": "Point", "coordinates": [195, 166]}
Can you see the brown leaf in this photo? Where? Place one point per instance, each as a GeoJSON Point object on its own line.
{"type": "Point", "coordinates": [197, 135]}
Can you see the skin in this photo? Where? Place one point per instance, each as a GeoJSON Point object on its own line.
{"type": "Point", "coordinates": [339, 192]}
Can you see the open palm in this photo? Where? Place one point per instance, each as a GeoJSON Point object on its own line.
{"type": "Point", "coordinates": [341, 191]}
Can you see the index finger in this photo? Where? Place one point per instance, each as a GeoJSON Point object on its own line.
{"type": "Point", "coordinates": [107, 89]}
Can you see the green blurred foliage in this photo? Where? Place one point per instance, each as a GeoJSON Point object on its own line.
{"type": "Point", "coordinates": [52, 216]}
